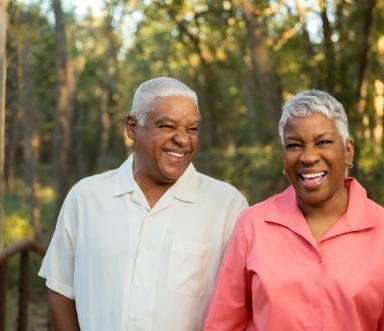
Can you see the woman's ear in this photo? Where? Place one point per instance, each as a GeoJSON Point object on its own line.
{"type": "Point", "coordinates": [131, 126]}
{"type": "Point", "coordinates": [349, 152]}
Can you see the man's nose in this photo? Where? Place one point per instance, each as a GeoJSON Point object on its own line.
{"type": "Point", "coordinates": [182, 137]}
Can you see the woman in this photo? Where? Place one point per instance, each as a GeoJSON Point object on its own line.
{"type": "Point", "coordinates": [312, 257]}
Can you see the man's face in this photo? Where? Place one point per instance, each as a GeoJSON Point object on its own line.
{"type": "Point", "coordinates": [167, 142]}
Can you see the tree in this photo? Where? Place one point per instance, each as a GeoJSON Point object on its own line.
{"type": "Point", "coordinates": [3, 59]}
{"type": "Point", "coordinates": [241, 57]}
{"type": "Point", "coordinates": [268, 86]}
{"type": "Point", "coordinates": [30, 138]}
{"type": "Point", "coordinates": [109, 79]}
{"type": "Point", "coordinates": [64, 104]}
{"type": "Point", "coordinates": [329, 52]}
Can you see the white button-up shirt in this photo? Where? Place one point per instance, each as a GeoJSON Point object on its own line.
{"type": "Point", "coordinates": [130, 267]}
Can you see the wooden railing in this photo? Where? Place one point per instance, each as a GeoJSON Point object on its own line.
{"type": "Point", "coordinates": [23, 247]}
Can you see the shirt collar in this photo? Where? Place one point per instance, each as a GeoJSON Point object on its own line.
{"type": "Point", "coordinates": [184, 189]}
{"type": "Point", "coordinates": [358, 216]}
{"type": "Point", "coordinates": [124, 182]}
{"type": "Point", "coordinates": [286, 212]}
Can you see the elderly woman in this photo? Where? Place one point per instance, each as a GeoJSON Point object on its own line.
{"type": "Point", "coordinates": [312, 257]}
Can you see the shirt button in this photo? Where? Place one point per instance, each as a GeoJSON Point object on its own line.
{"type": "Point", "coordinates": [317, 281]}
{"type": "Point", "coordinates": [316, 305]}
{"type": "Point", "coordinates": [148, 218]}
{"type": "Point", "coordinates": [134, 318]}
{"type": "Point", "coordinates": [138, 284]}
{"type": "Point", "coordinates": [144, 251]}
{"type": "Point", "coordinates": [318, 260]}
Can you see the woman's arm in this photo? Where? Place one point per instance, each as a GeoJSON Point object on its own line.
{"type": "Point", "coordinates": [230, 306]}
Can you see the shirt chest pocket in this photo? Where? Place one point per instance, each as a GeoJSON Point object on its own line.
{"type": "Point", "coordinates": [188, 267]}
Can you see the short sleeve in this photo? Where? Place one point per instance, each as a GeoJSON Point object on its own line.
{"type": "Point", "coordinates": [58, 264]}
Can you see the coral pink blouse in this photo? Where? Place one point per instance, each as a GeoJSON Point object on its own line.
{"type": "Point", "coordinates": [275, 277]}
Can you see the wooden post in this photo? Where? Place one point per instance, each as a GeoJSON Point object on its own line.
{"type": "Point", "coordinates": [3, 293]}
{"type": "Point", "coordinates": [23, 292]}
{"type": "Point", "coordinates": [23, 247]}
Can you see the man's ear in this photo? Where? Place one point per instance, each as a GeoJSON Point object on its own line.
{"type": "Point", "coordinates": [131, 126]}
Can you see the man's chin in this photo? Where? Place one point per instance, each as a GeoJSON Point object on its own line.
{"type": "Point", "coordinates": [172, 177]}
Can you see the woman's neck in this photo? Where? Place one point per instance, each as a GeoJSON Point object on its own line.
{"type": "Point", "coordinates": [320, 218]}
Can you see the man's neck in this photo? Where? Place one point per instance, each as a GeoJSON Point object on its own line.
{"type": "Point", "coordinates": [154, 193]}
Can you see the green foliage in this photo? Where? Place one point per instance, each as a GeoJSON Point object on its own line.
{"type": "Point", "coordinates": [16, 227]}
{"type": "Point", "coordinates": [256, 170]}
{"type": "Point", "coordinates": [370, 171]}
{"type": "Point", "coordinates": [207, 45]}
{"type": "Point", "coordinates": [16, 220]}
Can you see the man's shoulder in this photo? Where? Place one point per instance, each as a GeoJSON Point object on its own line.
{"type": "Point", "coordinates": [217, 185]}
{"type": "Point", "coordinates": [96, 182]}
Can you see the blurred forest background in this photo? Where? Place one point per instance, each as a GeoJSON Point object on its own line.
{"type": "Point", "coordinates": [71, 76]}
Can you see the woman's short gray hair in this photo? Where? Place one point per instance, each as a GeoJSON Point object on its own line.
{"type": "Point", "coordinates": [150, 91]}
{"type": "Point", "coordinates": [315, 102]}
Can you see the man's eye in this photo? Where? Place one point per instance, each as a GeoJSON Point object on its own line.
{"type": "Point", "coordinates": [193, 130]}
{"type": "Point", "coordinates": [166, 127]}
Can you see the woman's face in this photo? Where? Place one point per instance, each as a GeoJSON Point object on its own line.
{"type": "Point", "coordinates": [315, 159]}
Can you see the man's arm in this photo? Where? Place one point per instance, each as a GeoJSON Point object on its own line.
{"type": "Point", "coordinates": [63, 312]}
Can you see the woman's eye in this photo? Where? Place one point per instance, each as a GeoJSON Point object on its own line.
{"type": "Point", "coordinates": [293, 146]}
{"type": "Point", "coordinates": [324, 142]}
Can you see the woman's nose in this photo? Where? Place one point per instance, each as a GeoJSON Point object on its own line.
{"type": "Point", "coordinates": [309, 155]}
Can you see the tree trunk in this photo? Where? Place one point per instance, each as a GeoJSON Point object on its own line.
{"type": "Point", "coordinates": [379, 114]}
{"type": "Point", "coordinates": [64, 107]}
{"type": "Point", "coordinates": [309, 48]}
{"type": "Point", "coordinates": [3, 29]}
{"type": "Point", "coordinates": [107, 82]}
{"type": "Point", "coordinates": [328, 49]}
{"type": "Point", "coordinates": [362, 78]}
{"type": "Point", "coordinates": [249, 86]}
{"type": "Point", "coordinates": [268, 84]}
{"type": "Point", "coordinates": [30, 138]}
{"type": "Point", "coordinates": [12, 119]}
{"type": "Point", "coordinates": [105, 130]}
{"type": "Point", "coordinates": [365, 41]}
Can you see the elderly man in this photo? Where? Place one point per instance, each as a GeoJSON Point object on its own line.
{"type": "Point", "coordinates": [138, 248]}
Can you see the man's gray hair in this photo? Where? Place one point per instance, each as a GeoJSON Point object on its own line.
{"type": "Point", "coordinates": [150, 91]}
{"type": "Point", "coordinates": [315, 102]}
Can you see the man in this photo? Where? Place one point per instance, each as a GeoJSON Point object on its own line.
{"type": "Point", "coordinates": [138, 248]}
